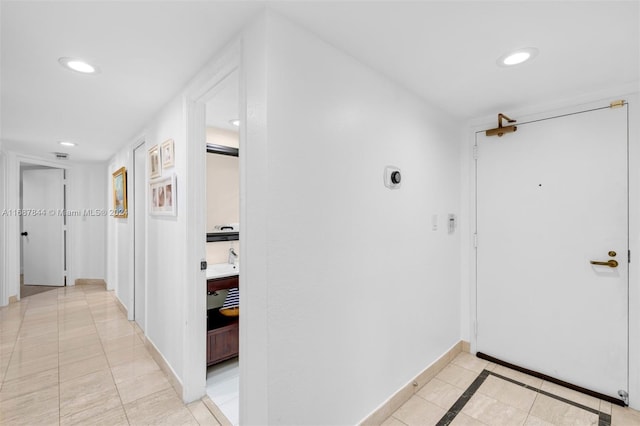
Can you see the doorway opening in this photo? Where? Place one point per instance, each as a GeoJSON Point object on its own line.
{"type": "Point", "coordinates": [223, 246]}
{"type": "Point", "coordinates": [43, 225]}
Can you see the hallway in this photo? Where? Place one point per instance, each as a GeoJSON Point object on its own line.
{"type": "Point", "coordinates": [69, 356]}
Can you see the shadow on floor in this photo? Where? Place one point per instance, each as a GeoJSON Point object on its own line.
{"type": "Point", "coordinates": [30, 290]}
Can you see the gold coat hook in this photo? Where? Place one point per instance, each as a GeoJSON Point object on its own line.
{"type": "Point", "coordinates": [502, 130]}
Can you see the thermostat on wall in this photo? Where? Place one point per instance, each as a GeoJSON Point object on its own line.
{"type": "Point", "coordinates": [392, 177]}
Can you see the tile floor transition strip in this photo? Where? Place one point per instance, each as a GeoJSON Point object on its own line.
{"type": "Point", "coordinates": [603, 418]}
{"type": "Point", "coordinates": [551, 379]}
{"type": "Point", "coordinates": [457, 406]}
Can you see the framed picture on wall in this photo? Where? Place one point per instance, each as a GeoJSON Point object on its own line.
{"type": "Point", "coordinates": [167, 149]}
{"type": "Point", "coordinates": [154, 162]}
{"type": "Point", "coordinates": [163, 196]}
{"type": "Point", "coordinates": [120, 193]}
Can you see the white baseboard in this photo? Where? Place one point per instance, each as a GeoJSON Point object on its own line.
{"type": "Point", "coordinates": [164, 365]}
{"type": "Point", "coordinates": [388, 407]}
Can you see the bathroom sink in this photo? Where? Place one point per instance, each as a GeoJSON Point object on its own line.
{"type": "Point", "coordinates": [221, 270]}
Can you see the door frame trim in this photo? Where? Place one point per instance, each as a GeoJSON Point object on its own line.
{"type": "Point", "coordinates": [468, 227]}
{"type": "Point", "coordinates": [227, 61]}
{"type": "Point", "coordinates": [11, 281]}
{"type": "Point", "coordinates": [140, 144]}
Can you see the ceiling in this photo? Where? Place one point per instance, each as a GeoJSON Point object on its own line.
{"type": "Point", "coordinates": [223, 107]}
{"type": "Point", "coordinates": [443, 51]}
{"type": "Point", "coordinates": [147, 51]}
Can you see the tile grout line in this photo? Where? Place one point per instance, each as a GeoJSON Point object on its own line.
{"type": "Point", "coordinates": [399, 420]}
{"type": "Point", "coordinates": [106, 358]}
{"type": "Point", "coordinates": [25, 301]}
{"type": "Point", "coordinates": [126, 416]}
{"type": "Point", "coordinates": [111, 371]}
{"type": "Point", "coordinates": [466, 396]}
{"type": "Point", "coordinates": [531, 408]}
{"type": "Point", "coordinates": [15, 342]}
{"type": "Point", "coordinates": [549, 394]}
{"type": "Point", "coordinates": [59, 378]}
{"type": "Point", "coordinates": [603, 418]}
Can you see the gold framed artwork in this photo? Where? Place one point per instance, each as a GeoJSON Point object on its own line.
{"type": "Point", "coordinates": [163, 196]}
{"type": "Point", "coordinates": [120, 193]}
{"type": "Point", "coordinates": [154, 162]}
{"type": "Point", "coordinates": [167, 153]}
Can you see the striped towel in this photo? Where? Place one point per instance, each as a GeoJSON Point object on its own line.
{"type": "Point", "coordinates": [232, 300]}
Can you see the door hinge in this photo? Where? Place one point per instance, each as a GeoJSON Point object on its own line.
{"type": "Point", "coordinates": [203, 265]}
{"type": "Point", "coordinates": [628, 256]}
{"type": "Point", "coordinates": [617, 104]}
{"type": "Point", "coordinates": [475, 152]}
{"type": "Point", "coordinates": [475, 240]}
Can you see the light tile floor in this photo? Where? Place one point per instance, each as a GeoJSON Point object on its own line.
{"type": "Point", "coordinates": [69, 356]}
{"type": "Point", "coordinates": [223, 387]}
{"type": "Point", "coordinates": [499, 401]}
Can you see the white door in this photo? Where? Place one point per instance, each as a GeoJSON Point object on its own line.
{"type": "Point", "coordinates": [140, 213]}
{"type": "Point", "coordinates": [551, 198]}
{"type": "Point", "coordinates": [43, 227]}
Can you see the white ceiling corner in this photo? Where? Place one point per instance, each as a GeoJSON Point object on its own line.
{"type": "Point", "coordinates": [444, 51]}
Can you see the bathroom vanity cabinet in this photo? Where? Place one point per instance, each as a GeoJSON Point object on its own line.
{"type": "Point", "coordinates": [222, 331]}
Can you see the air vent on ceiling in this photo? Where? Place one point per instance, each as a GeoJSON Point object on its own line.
{"type": "Point", "coordinates": [61, 155]}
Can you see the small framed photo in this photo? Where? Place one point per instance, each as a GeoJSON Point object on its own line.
{"type": "Point", "coordinates": [154, 162]}
{"type": "Point", "coordinates": [167, 153]}
{"type": "Point", "coordinates": [120, 193]}
{"type": "Point", "coordinates": [163, 196]}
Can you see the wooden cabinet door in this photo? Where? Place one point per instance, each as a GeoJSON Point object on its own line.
{"type": "Point", "coordinates": [223, 343]}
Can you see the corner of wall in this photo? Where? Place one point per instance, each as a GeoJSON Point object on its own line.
{"type": "Point", "coordinates": [254, 395]}
{"type": "Point", "coordinates": [4, 300]}
{"type": "Point", "coordinates": [318, 94]}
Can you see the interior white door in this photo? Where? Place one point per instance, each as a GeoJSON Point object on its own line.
{"type": "Point", "coordinates": [551, 198]}
{"type": "Point", "coordinates": [43, 223]}
{"type": "Point", "coordinates": [140, 213]}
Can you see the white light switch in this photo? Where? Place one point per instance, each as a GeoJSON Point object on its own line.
{"type": "Point", "coordinates": [452, 223]}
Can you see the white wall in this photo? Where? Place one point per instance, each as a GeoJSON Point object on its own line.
{"type": "Point", "coordinates": [86, 190]}
{"type": "Point", "coordinates": [218, 136]}
{"type": "Point", "coordinates": [166, 261]}
{"type": "Point", "coordinates": [175, 287]}
{"type": "Point", "coordinates": [634, 246]}
{"type": "Point", "coordinates": [165, 242]}
{"type": "Point", "coordinates": [361, 294]}
{"type": "Point", "coordinates": [119, 238]}
{"type": "Point", "coordinates": [223, 190]}
{"type": "Point", "coordinates": [3, 224]}
{"type": "Point", "coordinates": [254, 201]}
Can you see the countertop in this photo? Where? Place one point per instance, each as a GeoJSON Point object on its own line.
{"type": "Point", "coordinates": [222, 270]}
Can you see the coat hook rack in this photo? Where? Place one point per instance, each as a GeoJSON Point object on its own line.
{"type": "Point", "coordinates": [502, 130]}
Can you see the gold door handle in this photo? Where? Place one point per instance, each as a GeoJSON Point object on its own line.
{"type": "Point", "coordinates": [611, 263]}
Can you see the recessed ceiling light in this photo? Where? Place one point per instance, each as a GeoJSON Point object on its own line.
{"type": "Point", "coordinates": [66, 143]}
{"type": "Point", "coordinates": [78, 65]}
{"type": "Point", "coordinates": [518, 56]}
{"type": "Point", "coordinates": [235, 122]}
